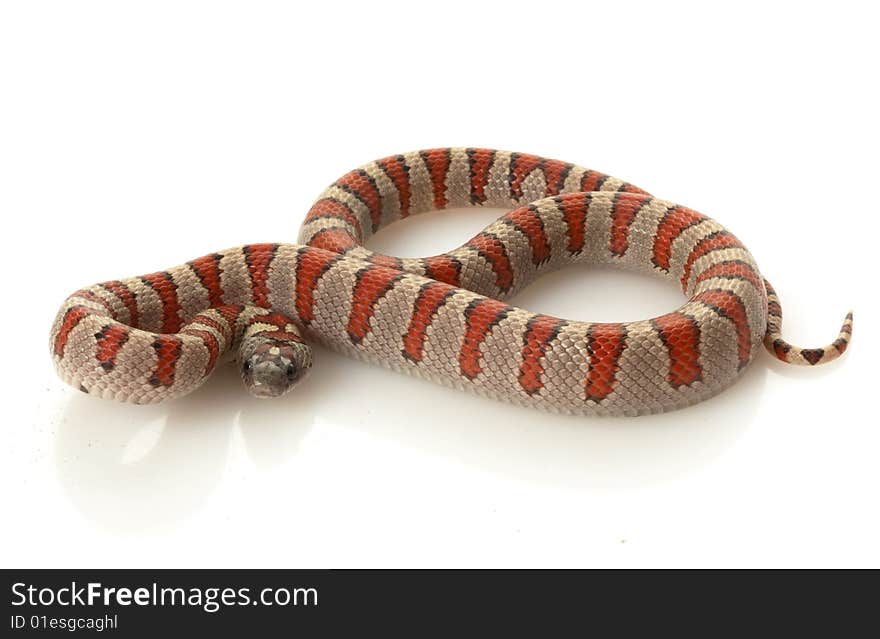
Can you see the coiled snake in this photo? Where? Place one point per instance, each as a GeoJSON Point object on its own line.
{"type": "Point", "coordinates": [150, 338]}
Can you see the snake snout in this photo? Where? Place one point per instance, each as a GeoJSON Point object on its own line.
{"type": "Point", "coordinates": [272, 371]}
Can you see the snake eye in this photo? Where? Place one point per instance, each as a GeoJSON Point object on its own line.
{"type": "Point", "coordinates": [247, 366]}
{"type": "Point", "coordinates": [291, 371]}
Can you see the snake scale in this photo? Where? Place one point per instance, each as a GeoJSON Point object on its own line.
{"type": "Point", "coordinates": [151, 338]}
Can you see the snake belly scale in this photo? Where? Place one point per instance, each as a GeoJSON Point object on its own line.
{"type": "Point", "coordinates": [445, 317]}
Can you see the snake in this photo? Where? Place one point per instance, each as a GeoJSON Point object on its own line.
{"type": "Point", "coordinates": [448, 317]}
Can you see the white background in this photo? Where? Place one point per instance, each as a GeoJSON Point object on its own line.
{"type": "Point", "coordinates": [135, 136]}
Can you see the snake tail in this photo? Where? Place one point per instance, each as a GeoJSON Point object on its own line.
{"type": "Point", "coordinates": [796, 355]}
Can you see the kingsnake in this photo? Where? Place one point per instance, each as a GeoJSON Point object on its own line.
{"type": "Point", "coordinates": [151, 338]}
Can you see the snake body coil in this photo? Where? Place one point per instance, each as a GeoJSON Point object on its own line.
{"type": "Point", "coordinates": [151, 338]}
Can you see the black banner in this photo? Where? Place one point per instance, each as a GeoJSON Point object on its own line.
{"type": "Point", "coordinates": [133, 603]}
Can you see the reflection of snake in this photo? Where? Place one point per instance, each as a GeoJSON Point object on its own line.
{"type": "Point", "coordinates": [150, 338]}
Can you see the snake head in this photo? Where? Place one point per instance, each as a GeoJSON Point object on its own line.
{"type": "Point", "coordinates": [270, 368]}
